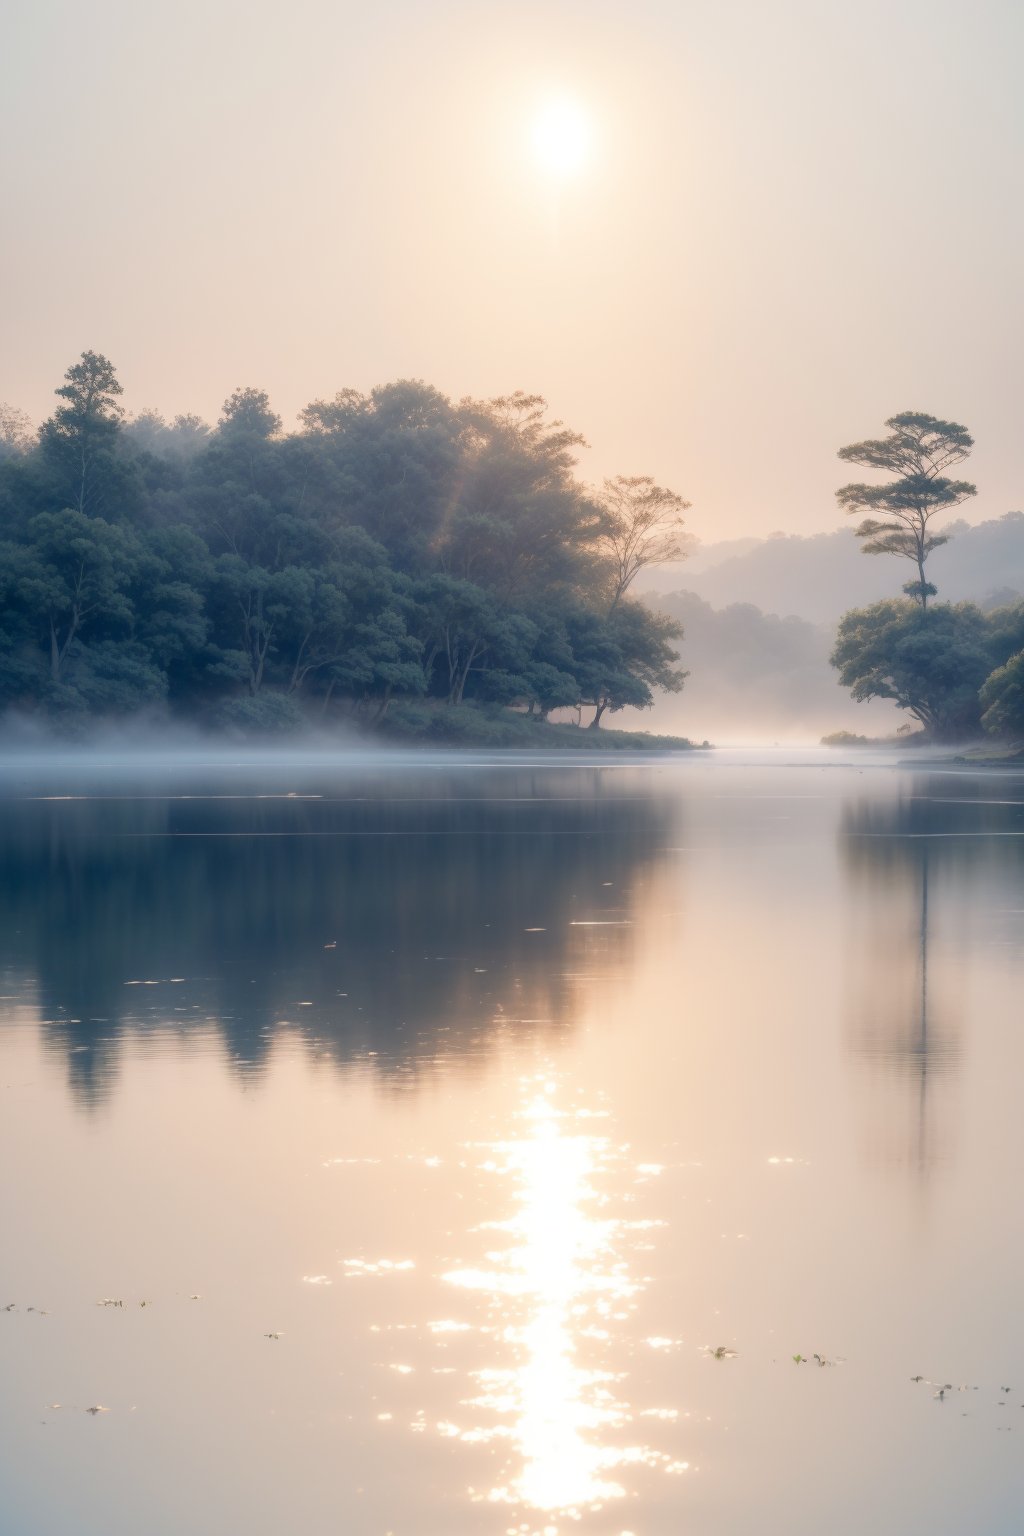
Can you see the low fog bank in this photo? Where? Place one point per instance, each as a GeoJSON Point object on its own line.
{"type": "Point", "coordinates": [161, 741]}
{"type": "Point", "coordinates": [757, 677]}
{"type": "Point", "coordinates": [159, 756]}
{"type": "Point", "coordinates": [33, 751]}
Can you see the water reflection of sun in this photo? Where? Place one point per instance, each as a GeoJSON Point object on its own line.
{"type": "Point", "coordinates": [560, 1284]}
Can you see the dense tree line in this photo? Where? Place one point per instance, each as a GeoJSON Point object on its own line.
{"type": "Point", "coordinates": [397, 547]}
{"type": "Point", "coordinates": [954, 668]}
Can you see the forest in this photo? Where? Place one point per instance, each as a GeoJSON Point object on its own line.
{"type": "Point", "coordinates": [421, 568]}
{"type": "Point", "coordinates": [400, 561]}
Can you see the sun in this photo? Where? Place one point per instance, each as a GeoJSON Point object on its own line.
{"type": "Point", "coordinates": [561, 137]}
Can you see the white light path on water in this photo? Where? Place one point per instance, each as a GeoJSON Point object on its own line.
{"type": "Point", "coordinates": [560, 1284]}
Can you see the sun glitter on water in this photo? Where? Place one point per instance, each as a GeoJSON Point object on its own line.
{"type": "Point", "coordinates": [560, 1282]}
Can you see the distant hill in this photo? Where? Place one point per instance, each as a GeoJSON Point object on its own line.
{"type": "Point", "coordinates": [819, 578]}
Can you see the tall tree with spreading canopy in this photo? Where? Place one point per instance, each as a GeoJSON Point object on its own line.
{"type": "Point", "coordinates": [79, 441]}
{"type": "Point", "coordinates": [896, 516]}
{"type": "Point", "coordinates": [75, 575]}
{"type": "Point", "coordinates": [643, 526]}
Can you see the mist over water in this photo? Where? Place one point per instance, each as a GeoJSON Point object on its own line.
{"type": "Point", "coordinates": [485, 1138]}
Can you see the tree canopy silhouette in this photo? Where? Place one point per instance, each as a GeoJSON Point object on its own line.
{"type": "Point", "coordinates": [896, 515]}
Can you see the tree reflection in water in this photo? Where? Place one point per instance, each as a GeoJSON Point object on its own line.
{"type": "Point", "coordinates": [412, 931]}
{"type": "Point", "coordinates": [915, 866]}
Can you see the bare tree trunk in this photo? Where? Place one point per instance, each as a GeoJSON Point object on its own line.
{"type": "Point", "coordinates": [297, 675]}
{"type": "Point", "coordinates": [595, 724]}
{"type": "Point", "coordinates": [475, 650]}
{"type": "Point", "coordinates": [58, 652]}
{"type": "Point", "coordinates": [453, 663]}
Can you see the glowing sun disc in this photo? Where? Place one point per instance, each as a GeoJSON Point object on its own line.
{"type": "Point", "coordinates": [561, 137]}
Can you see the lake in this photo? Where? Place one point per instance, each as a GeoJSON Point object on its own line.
{"type": "Point", "coordinates": [448, 1146]}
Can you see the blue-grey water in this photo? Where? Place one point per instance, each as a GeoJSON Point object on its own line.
{"type": "Point", "coordinates": [452, 1148]}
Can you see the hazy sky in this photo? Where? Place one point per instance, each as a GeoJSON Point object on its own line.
{"type": "Point", "coordinates": [793, 219]}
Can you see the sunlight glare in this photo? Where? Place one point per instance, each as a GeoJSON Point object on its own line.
{"type": "Point", "coordinates": [561, 137]}
{"type": "Point", "coordinates": [561, 1266]}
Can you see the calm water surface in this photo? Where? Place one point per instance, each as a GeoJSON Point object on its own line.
{"type": "Point", "coordinates": [471, 1148]}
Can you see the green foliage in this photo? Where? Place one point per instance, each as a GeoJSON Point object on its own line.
{"type": "Point", "coordinates": [622, 656]}
{"type": "Point", "coordinates": [79, 444]}
{"type": "Point", "coordinates": [108, 677]}
{"type": "Point", "coordinates": [931, 662]}
{"type": "Point", "coordinates": [489, 725]}
{"type": "Point", "coordinates": [271, 714]}
{"type": "Point", "coordinates": [399, 547]}
{"type": "Point", "coordinates": [1002, 699]}
{"type": "Point", "coordinates": [72, 578]}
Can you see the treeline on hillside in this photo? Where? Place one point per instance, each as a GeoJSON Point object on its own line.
{"type": "Point", "coordinates": [816, 577]}
{"type": "Point", "coordinates": [397, 552]}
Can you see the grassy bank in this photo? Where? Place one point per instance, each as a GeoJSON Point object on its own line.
{"type": "Point", "coordinates": [482, 725]}
{"type": "Point", "coordinates": [976, 754]}
{"type": "Point", "coordinates": [850, 739]}
{"type": "Point", "coordinates": [988, 755]}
